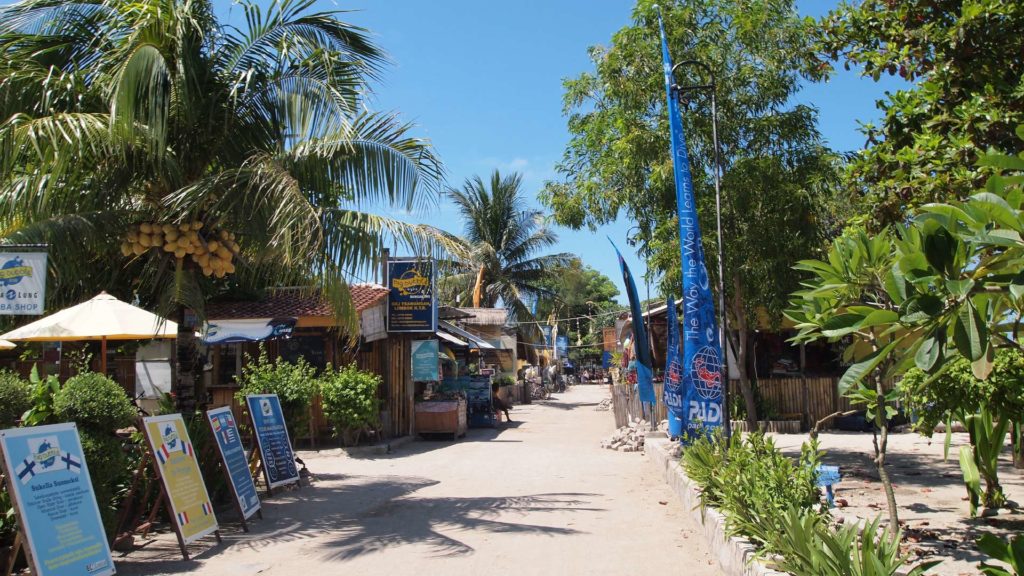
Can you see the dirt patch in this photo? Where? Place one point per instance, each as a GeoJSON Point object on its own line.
{"type": "Point", "coordinates": [930, 493]}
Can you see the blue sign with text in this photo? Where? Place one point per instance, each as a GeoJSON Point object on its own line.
{"type": "Point", "coordinates": [425, 355]}
{"type": "Point", "coordinates": [272, 436]}
{"type": "Point", "coordinates": [60, 519]}
{"type": "Point", "coordinates": [412, 301]}
{"type": "Point", "coordinates": [232, 453]}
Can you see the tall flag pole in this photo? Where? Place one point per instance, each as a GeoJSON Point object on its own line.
{"type": "Point", "coordinates": [702, 349]}
{"type": "Point", "coordinates": [644, 364]}
{"type": "Point", "coordinates": [673, 393]}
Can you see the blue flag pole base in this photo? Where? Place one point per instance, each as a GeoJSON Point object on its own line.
{"type": "Point", "coordinates": [675, 425]}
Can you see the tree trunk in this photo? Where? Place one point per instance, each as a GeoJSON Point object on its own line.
{"type": "Point", "coordinates": [880, 445]}
{"type": "Point", "coordinates": [1018, 445]}
{"type": "Point", "coordinates": [478, 289]}
{"type": "Point", "coordinates": [740, 354]}
{"type": "Point", "coordinates": [186, 361]}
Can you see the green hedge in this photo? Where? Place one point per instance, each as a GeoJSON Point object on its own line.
{"type": "Point", "coordinates": [95, 402]}
{"type": "Point", "coordinates": [15, 398]}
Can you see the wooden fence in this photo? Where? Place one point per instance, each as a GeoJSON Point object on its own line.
{"type": "Point", "coordinates": [806, 400]}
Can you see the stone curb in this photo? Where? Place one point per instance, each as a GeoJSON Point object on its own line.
{"type": "Point", "coordinates": [733, 554]}
{"type": "Point", "coordinates": [363, 451]}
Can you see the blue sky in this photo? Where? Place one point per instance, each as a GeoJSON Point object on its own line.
{"type": "Point", "coordinates": [483, 81]}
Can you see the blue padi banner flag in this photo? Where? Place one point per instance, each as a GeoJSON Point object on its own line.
{"type": "Point", "coordinates": [425, 360]}
{"type": "Point", "coordinates": [563, 346]}
{"type": "Point", "coordinates": [673, 373]}
{"type": "Point", "coordinates": [644, 364]}
{"type": "Point", "coordinates": [60, 521]}
{"type": "Point", "coordinates": [232, 453]}
{"type": "Point", "coordinates": [412, 300]}
{"type": "Point", "coordinates": [702, 351]}
{"type": "Point", "coordinates": [272, 437]}
{"type": "Point", "coordinates": [546, 330]}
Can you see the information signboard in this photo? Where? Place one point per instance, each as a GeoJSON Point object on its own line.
{"type": "Point", "coordinates": [272, 437]}
{"type": "Point", "coordinates": [49, 483]}
{"type": "Point", "coordinates": [425, 362]}
{"type": "Point", "coordinates": [232, 454]}
{"type": "Point", "coordinates": [412, 300]}
{"type": "Point", "coordinates": [176, 460]}
{"type": "Point", "coordinates": [22, 283]}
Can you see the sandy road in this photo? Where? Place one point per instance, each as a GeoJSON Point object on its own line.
{"type": "Point", "coordinates": [537, 496]}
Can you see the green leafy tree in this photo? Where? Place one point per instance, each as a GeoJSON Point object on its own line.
{"type": "Point", "coordinates": [500, 258]}
{"type": "Point", "coordinates": [963, 62]}
{"type": "Point", "coordinates": [948, 284]}
{"type": "Point", "coordinates": [777, 171]}
{"type": "Point", "coordinates": [159, 151]}
{"type": "Point", "coordinates": [580, 292]}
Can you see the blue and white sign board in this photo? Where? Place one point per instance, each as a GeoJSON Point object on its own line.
{"type": "Point", "coordinates": [425, 355]}
{"type": "Point", "coordinates": [22, 283]}
{"type": "Point", "coordinates": [49, 483]}
{"type": "Point", "coordinates": [272, 437]}
{"type": "Point", "coordinates": [232, 454]}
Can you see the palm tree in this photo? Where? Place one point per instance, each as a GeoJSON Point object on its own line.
{"type": "Point", "coordinates": [159, 151]}
{"type": "Point", "coordinates": [501, 240]}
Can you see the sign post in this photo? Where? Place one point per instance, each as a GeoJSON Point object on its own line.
{"type": "Point", "coordinates": [275, 447]}
{"type": "Point", "coordinates": [412, 299]}
{"type": "Point", "coordinates": [184, 490]}
{"type": "Point", "coordinates": [22, 283]}
{"type": "Point", "coordinates": [236, 468]}
{"type": "Point", "coordinates": [59, 522]}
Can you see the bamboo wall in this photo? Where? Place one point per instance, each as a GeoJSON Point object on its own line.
{"type": "Point", "coordinates": [807, 400]}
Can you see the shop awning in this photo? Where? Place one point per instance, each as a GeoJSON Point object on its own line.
{"type": "Point", "coordinates": [473, 340]}
{"type": "Point", "coordinates": [449, 338]}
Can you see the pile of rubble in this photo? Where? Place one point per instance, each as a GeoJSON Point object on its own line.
{"type": "Point", "coordinates": [604, 405]}
{"type": "Point", "coordinates": [628, 438]}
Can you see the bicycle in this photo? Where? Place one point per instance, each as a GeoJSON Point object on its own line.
{"type": "Point", "coordinates": [538, 391]}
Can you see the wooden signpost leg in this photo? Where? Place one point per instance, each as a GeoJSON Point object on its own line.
{"type": "Point", "coordinates": [12, 558]}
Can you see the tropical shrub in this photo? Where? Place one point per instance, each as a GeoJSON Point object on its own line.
{"type": "Point", "coordinates": [1009, 551]}
{"type": "Point", "coordinates": [752, 483]}
{"type": "Point", "coordinates": [349, 397]}
{"type": "Point", "coordinates": [15, 398]}
{"type": "Point", "coordinates": [810, 547]}
{"type": "Point", "coordinates": [988, 407]}
{"type": "Point", "coordinates": [294, 383]}
{"type": "Point", "coordinates": [95, 402]}
{"type": "Point", "coordinates": [43, 392]}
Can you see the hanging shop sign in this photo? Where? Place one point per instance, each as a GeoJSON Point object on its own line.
{"type": "Point", "coordinates": [22, 283]}
{"type": "Point", "coordinates": [176, 459]}
{"type": "Point", "coordinates": [232, 454]}
{"type": "Point", "coordinates": [425, 360]}
{"type": "Point", "coordinates": [272, 437]}
{"type": "Point", "coordinates": [412, 299]}
{"type": "Point", "coordinates": [48, 480]}
{"type": "Point", "coordinates": [248, 330]}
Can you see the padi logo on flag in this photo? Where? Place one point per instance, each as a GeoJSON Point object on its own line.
{"type": "Point", "coordinates": [707, 373]}
{"type": "Point", "coordinates": [674, 377]}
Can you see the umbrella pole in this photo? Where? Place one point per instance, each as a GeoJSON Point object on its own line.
{"type": "Point", "coordinates": [103, 356]}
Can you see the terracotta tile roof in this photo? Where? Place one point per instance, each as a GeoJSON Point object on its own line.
{"type": "Point", "coordinates": [287, 303]}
